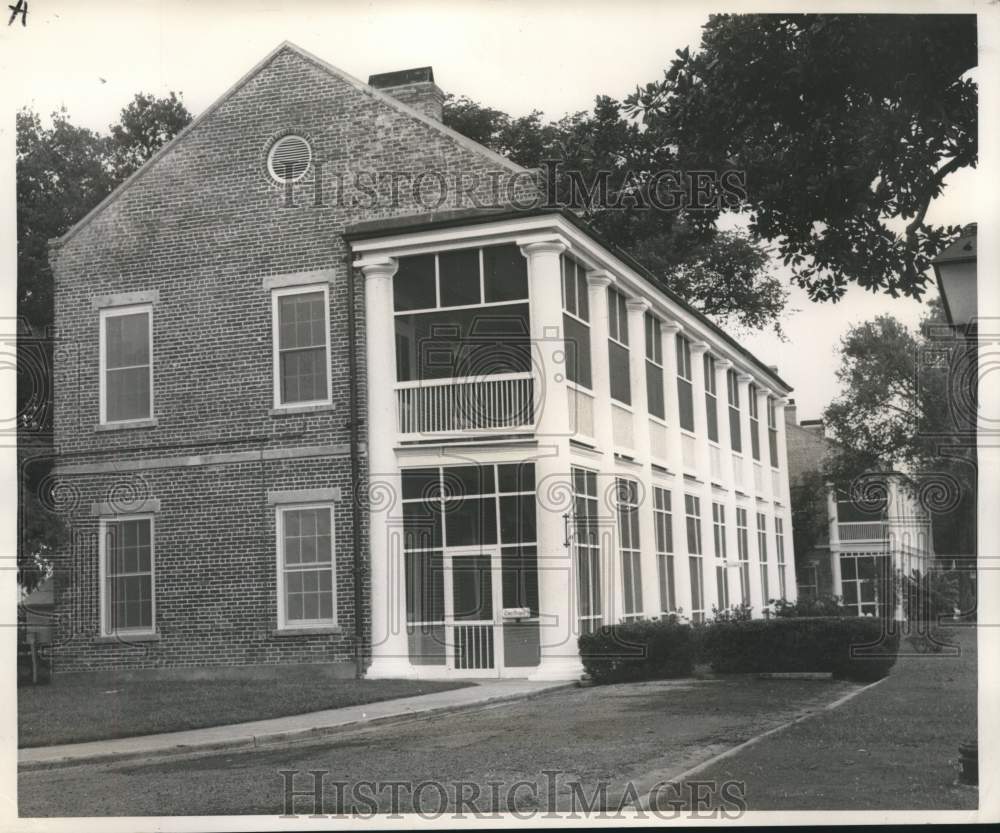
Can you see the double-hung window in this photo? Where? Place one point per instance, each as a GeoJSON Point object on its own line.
{"type": "Point", "coordinates": [655, 402]}
{"type": "Point", "coordinates": [618, 350]}
{"type": "Point", "coordinates": [628, 535]}
{"type": "Point", "coordinates": [733, 395]}
{"type": "Point", "coordinates": [588, 549]}
{"type": "Point", "coordinates": [754, 422]}
{"type": "Point", "coordinates": [692, 518]}
{"type": "Point", "coordinates": [306, 565]}
{"type": "Point", "coordinates": [126, 356]}
{"type": "Point", "coordinates": [711, 398]}
{"type": "Point", "coordinates": [127, 585]}
{"type": "Point", "coordinates": [743, 551]}
{"type": "Point", "coordinates": [576, 322]}
{"type": "Point", "coordinates": [765, 587]}
{"type": "Point", "coordinates": [663, 524]}
{"type": "Point", "coordinates": [719, 536]}
{"type": "Point", "coordinates": [779, 540]}
{"type": "Point", "coordinates": [772, 432]}
{"type": "Point", "coordinates": [685, 392]}
{"type": "Point", "coordinates": [301, 345]}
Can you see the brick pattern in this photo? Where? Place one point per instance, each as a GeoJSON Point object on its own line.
{"type": "Point", "coordinates": [204, 225]}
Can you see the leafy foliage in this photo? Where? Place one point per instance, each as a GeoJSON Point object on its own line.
{"type": "Point", "coordinates": [643, 650]}
{"type": "Point", "coordinates": [847, 126]}
{"type": "Point", "coordinates": [927, 596]}
{"type": "Point", "coordinates": [604, 154]}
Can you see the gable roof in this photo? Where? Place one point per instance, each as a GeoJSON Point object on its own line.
{"type": "Point", "coordinates": [215, 105]}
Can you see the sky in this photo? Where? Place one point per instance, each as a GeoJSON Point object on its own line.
{"type": "Point", "coordinates": [516, 56]}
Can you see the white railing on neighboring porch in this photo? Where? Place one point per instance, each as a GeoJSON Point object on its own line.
{"type": "Point", "coordinates": [862, 531]}
{"type": "Point", "coordinates": [496, 402]}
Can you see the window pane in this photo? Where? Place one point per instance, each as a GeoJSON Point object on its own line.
{"type": "Point", "coordinates": [582, 293]}
{"type": "Point", "coordinates": [713, 418]}
{"type": "Point", "coordinates": [425, 587]}
{"type": "Point", "coordinates": [505, 273]}
{"type": "Point", "coordinates": [621, 387]}
{"type": "Point", "coordinates": [459, 275]}
{"type": "Point", "coordinates": [127, 342]}
{"type": "Point", "coordinates": [301, 320]}
{"type": "Point", "coordinates": [420, 483]}
{"type": "Point", "coordinates": [519, 571]}
{"type": "Point", "coordinates": [471, 521]}
{"type": "Point", "coordinates": [568, 284]}
{"type": "Point", "coordinates": [517, 477]}
{"type": "Point", "coordinates": [413, 286]}
{"type": "Point", "coordinates": [735, 435]}
{"type": "Point", "coordinates": [654, 390]}
{"type": "Point", "coordinates": [685, 401]}
{"type": "Point", "coordinates": [303, 375]}
{"type": "Point", "coordinates": [127, 394]}
{"type": "Point", "coordinates": [577, 337]}
{"type": "Point", "coordinates": [421, 526]}
{"type": "Point", "coordinates": [517, 519]}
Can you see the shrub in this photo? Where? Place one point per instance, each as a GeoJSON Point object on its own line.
{"type": "Point", "coordinates": [643, 650]}
{"type": "Point", "coordinates": [802, 644]}
{"type": "Point", "coordinates": [811, 606]}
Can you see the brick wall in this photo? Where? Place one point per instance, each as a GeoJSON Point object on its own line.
{"type": "Point", "coordinates": [203, 225]}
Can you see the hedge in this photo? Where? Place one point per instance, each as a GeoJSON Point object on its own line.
{"type": "Point", "coordinates": [802, 644]}
{"type": "Point", "coordinates": [645, 650]}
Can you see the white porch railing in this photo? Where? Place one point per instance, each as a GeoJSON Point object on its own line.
{"type": "Point", "coordinates": [758, 477]}
{"type": "Point", "coordinates": [715, 461]}
{"type": "Point", "coordinates": [689, 452]}
{"type": "Point", "coordinates": [504, 401]}
{"type": "Point", "coordinates": [739, 472]}
{"type": "Point", "coordinates": [863, 531]}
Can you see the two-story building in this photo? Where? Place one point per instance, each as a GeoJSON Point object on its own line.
{"type": "Point", "coordinates": [296, 423]}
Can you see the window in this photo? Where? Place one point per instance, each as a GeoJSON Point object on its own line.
{"type": "Point", "coordinates": [685, 394]}
{"type": "Point", "coordinates": [772, 432]}
{"type": "Point", "coordinates": [743, 551]}
{"type": "Point", "coordinates": [754, 422]}
{"type": "Point", "coordinates": [808, 576]}
{"type": "Point", "coordinates": [462, 313]}
{"type": "Point", "coordinates": [305, 566]}
{"type": "Point", "coordinates": [719, 536]}
{"type": "Point", "coordinates": [588, 549]}
{"type": "Point", "coordinates": [765, 587]}
{"type": "Point", "coordinates": [663, 524]}
{"type": "Point", "coordinates": [692, 517]}
{"type": "Point", "coordinates": [628, 536]}
{"type": "Point", "coordinates": [779, 537]}
{"type": "Point", "coordinates": [127, 589]}
{"type": "Point", "coordinates": [655, 401]}
{"type": "Point", "coordinates": [126, 364]}
{"type": "Point", "coordinates": [866, 582]}
{"type": "Point", "coordinates": [576, 322]}
{"type": "Point", "coordinates": [301, 346]}
{"type": "Point", "coordinates": [735, 428]}
{"type": "Point", "coordinates": [618, 358]}
{"type": "Point", "coordinates": [711, 398]}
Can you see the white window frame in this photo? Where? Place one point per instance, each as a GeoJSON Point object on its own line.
{"type": "Point", "coordinates": [102, 574]}
{"type": "Point", "coordinates": [276, 295]}
{"type": "Point", "coordinates": [279, 526]}
{"type": "Point", "coordinates": [631, 554]}
{"type": "Point", "coordinates": [115, 312]}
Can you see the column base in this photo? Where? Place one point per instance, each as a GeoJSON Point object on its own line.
{"type": "Point", "coordinates": [557, 669]}
{"type": "Point", "coordinates": [390, 668]}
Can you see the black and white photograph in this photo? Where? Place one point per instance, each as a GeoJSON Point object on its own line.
{"type": "Point", "coordinates": [499, 414]}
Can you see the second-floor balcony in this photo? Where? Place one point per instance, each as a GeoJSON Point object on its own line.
{"type": "Point", "coordinates": [502, 403]}
{"type": "Point", "coordinates": [862, 531]}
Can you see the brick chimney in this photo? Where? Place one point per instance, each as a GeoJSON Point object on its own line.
{"type": "Point", "coordinates": [791, 417]}
{"type": "Point", "coordinates": [414, 88]}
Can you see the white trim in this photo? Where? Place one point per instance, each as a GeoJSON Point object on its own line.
{"type": "Point", "coordinates": [279, 530]}
{"type": "Point", "coordinates": [281, 292]}
{"type": "Point", "coordinates": [103, 316]}
{"type": "Point", "coordinates": [102, 573]}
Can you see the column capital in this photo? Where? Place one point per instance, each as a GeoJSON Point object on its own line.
{"type": "Point", "coordinates": [670, 328]}
{"type": "Point", "coordinates": [699, 347]}
{"type": "Point", "coordinates": [723, 364]}
{"type": "Point", "coordinates": [381, 267]}
{"type": "Point", "coordinates": [780, 401]}
{"type": "Point", "coordinates": [552, 245]}
{"type": "Point", "coordinates": [639, 305]}
{"type": "Point", "coordinates": [744, 378]}
{"type": "Point", "coordinates": [599, 279]}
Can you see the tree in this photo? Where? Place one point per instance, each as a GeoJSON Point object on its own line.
{"type": "Point", "coordinates": [897, 412]}
{"type": "Point", "coordinates": [847, 126]}
{"type": "Point", "coordinates": [602, 152]}
{"type": "Point", "coordinates": [63, 171]}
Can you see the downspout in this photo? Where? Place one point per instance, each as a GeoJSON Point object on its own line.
{"type": "Point", "coordinates": [354, 425]}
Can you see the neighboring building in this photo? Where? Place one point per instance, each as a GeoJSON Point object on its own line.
{"type": "Point", "coordinates": [555, 441]}
{"type": "Point", "coordinates": [866, 541]}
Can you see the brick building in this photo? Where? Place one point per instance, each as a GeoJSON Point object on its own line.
{"type": "Point", "coordinates": [331, 388]}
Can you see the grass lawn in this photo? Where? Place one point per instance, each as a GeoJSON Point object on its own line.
{"type": "Point", "coordinates": [893, 747]}
{"type": "Point", "coordinates": [100, 706]}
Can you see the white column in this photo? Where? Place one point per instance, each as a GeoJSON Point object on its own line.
{"type": "Point", "coordinates": [791, 573]}
{"type": "Point", "coordinates": [560, 656]}
{"type": "Point", "coordinates": [722, 367]}
{"type": "Point", "coordinates": [704, 489]}
{"type": "Point", "coordinates": [682, 572]}
{"type": "Point", "coordinates": [831, 510]}
{"type": "Point", "coordinates": [756, 593]}
{"type": "Point", "coordinates": [390, 648]}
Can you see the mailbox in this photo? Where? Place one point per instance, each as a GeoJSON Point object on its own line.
{"type": "Point", "coordinates": [516, 613]}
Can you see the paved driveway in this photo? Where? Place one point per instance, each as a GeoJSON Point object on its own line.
{"type": "Point", "coordinates": [522, 756]}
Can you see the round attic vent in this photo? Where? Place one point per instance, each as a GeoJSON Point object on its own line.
{"type": "Point", "coordinates": [289, 158]}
